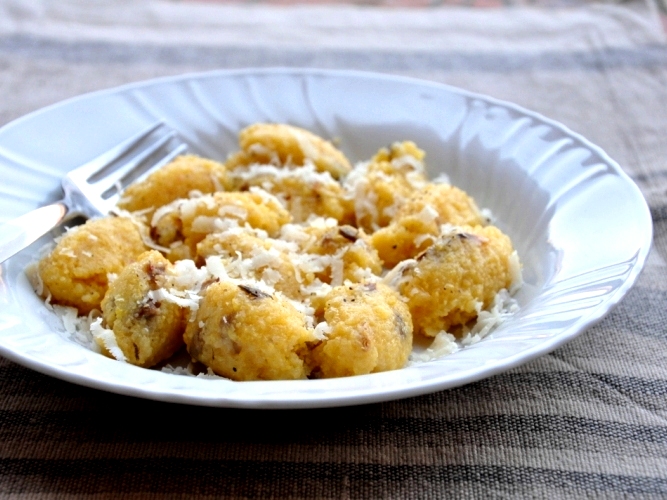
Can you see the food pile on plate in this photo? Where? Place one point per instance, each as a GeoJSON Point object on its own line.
{"type": "Point", "coordinates": [283, 262]}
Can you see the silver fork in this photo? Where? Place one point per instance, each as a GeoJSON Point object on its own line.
{"type": "Point", "coordinates": [94, 188]}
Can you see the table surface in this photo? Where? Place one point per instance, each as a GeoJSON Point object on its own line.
{"type": "Point", "coordinates": [587, 420]}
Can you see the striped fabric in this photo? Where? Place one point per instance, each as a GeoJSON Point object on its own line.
{"type": "Point", "coordinates": [586, 421]}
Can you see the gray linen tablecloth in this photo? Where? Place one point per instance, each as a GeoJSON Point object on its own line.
{"type": "Point", "coordinates": [588, 420]}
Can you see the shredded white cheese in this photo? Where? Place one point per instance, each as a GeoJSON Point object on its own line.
{"type": "Point", "coordinates": [322, 330]}
{"type": "Point", "coordinates": [107, 338]}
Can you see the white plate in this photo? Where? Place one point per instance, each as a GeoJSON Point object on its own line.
{"type": "Point", "coordinates": [580, 225]}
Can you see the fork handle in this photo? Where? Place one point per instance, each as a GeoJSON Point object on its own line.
{"type": "Point", "coordinates": [17, 234]}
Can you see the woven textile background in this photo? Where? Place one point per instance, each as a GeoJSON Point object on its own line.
{"type": "Point", "coordinates": [588, 420]}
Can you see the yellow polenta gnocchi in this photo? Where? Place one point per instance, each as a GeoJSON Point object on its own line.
{"type": "Point", "coordinates": [283, 261]}
{"type": "Point", "coordinates": [147, 328]}
{"type": "Point", "coordinates": [76, 272]}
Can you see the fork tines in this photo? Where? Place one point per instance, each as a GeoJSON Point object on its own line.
{"type": "Point", "coordinates": [134, 158]}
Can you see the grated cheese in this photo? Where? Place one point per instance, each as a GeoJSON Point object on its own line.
{"type": "Point", "coordinates": [427, 215]}
{"type": "Point", "coordinates": [107, 338]}
{"type": "Point", "coordinates": [322, 330]}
